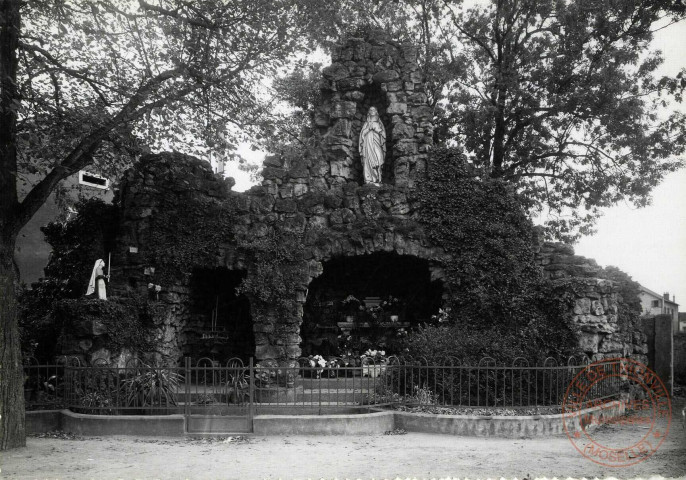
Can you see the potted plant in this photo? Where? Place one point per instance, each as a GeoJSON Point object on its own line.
{"type": "Point", "coordinates": [373, 363]}
{"type": "Point", "coordinates": [351, 306]}
{"type": "Point", "coordinates": [391, 306]}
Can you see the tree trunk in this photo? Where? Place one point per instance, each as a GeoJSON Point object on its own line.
{"type": "Point", "coordinates": [12, 432]}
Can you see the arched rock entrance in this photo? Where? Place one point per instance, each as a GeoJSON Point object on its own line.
{"type": "Point", "coordinates": [386, 294]}
{"type": "Point", "coordinates": [219, 324]}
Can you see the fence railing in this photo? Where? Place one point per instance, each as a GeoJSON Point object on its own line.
{"type": "Point", "coordinates": [208, 387]}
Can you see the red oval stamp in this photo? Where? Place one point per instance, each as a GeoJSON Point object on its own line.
{"type": "Point", "coordinates": [630, 403]}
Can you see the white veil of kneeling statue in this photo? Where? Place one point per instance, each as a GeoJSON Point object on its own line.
{"type": "Point", "coordinates": [97, 281]}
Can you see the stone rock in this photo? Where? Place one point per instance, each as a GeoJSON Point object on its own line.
{"type": "Point", "coordinates": [300, 189]}
{"type": "Point", "coordinates": [348, 84]}
{"type": "Point", "coordinates": [403, 131]}
{"type": "Point", "coordinates": [336, 71]}
{"type": "Point", "coordinates": [588, 342]}
{"type": "Point", "coordinates": [286, 205]}
{"type": "Point", "coordinates": [343, 109]}
{"type": "Point", "coordinates": [582, 306]}
{"type": "Point", "coordinates": [597, 307]}
{"type": "Point", "coordinates": [385, 76]}
{"type": "Point", "coordinates": [397, 108]}
{"type": "Point", "coordinates": [340, 168]}
{"type": "Point", "coordinates": [273, 161]}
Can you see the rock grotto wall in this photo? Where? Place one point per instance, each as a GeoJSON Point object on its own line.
{"type": "Point", "coordinates": [319, 197]}
{"type": "Point", "coordinates": [603, 334]}
{"type": "Point", "coordinates": [381, 73]}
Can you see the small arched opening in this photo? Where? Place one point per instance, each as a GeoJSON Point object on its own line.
{"type": "Point", "coordinates": [219, 324]}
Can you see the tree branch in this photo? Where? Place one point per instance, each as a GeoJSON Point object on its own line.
{"type": "Point", "coordinates": [94, 84]}
{"type": "Point", "coordinates": [82, 154]}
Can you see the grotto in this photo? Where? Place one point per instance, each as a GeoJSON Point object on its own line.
{"type": "Point", "coordinates": [318, 254]}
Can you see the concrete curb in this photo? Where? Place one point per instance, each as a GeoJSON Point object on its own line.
{"type": "Point", "coordinates": [356, 424]}
{"type": "Point", "coordinates": [378, 422]}
{"type": "Point", "coordinates": [144, 425]}
{"type": "Point", "coordinates": [523, 426]}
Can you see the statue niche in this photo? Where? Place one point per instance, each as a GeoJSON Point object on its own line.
{"type": "Point", "coordinates": [372, 147]}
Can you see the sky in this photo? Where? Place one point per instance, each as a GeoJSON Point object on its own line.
{"type": "Point", "coordinates": [647, 243]}
{"type": "Point", "coordinates": [650, 243]}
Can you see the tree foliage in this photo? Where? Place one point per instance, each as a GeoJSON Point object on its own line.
{"type": "Point", "coordinates": [561, 99]}
{"type": "Point", "coordinates": [564, 102]}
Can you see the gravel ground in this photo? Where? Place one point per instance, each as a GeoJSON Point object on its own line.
{"type": "Point", "coordinates": [375, 456]}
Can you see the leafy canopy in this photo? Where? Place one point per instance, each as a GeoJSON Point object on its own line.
{"type": "Point", "coordinates": [103, 81]}
{"type": "Point", "coordinates": [559, 98]}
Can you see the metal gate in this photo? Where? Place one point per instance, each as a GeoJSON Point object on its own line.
{"type": "Point", "coordinates": [218, 398]}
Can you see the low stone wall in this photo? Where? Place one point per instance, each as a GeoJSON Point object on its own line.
{"type": "Point", "coordinates": [141, 425]}
{"type": "Point", "coordinates": [602, 334]}
{"type": "Point", "coordinates": [374, 423]}
{"type": "Point", "coordinates": [43, 421]}
{"type": "Point", "coordinates": [502, 427]}
{"type": "Point", "coordinates": [363, 424]}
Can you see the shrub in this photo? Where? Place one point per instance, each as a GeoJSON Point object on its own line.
{"type": "Point", "coordinates": [151, 387]}
{"type": "Point", "coordinates": [125, 320]}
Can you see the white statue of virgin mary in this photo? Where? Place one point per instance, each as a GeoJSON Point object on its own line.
{"type": "Point", "coordinates": [372, 147]}
{"type": "Point", "coordinates": [97, 281]}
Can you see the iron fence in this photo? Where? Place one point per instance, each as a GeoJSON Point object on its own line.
{"type": "Point", "coordinates": [233, 388]}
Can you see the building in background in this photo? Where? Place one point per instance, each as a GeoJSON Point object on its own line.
{"type": "Point", "coordinates": [32, 251]}
{"type": "Point", "coordinates": [653, 303]}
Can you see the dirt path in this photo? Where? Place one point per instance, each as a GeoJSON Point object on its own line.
{"type": "Point", "coordinates": [376, 456]}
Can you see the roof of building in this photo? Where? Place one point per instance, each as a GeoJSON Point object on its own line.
{"type": "Point", "coordinates": [656, 295]}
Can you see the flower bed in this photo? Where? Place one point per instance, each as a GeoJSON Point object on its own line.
{"type": "Point", "coordinates": [481, 411]}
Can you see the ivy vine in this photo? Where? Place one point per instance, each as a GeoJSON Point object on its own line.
{"type": "Point", "coordinates": [183, 238]}
{"type": "Point", "coordinates": [495, 282]}
{"type": "Point", "coordinates": [278, 268]}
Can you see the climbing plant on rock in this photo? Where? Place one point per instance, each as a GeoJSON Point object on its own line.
{"type": "Point", "coordinates": [278, 268]}
{"type": "Point", "coordinates": [492, 274]}
{"type": "Point", "coordinates": [188, 237]}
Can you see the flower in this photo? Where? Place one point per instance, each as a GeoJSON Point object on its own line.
{"type": "Point", "coordinates": [317, 360]}
{"type": "Point", "coordinates": [376, 356]}
{"type": "Point", "coordinates": [443, 315]}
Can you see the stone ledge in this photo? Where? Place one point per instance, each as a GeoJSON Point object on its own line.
{"type": "Point", "coordinates": [378, 422]}
{"type": "Point", "coordinates": [356, 424]}
{"type": "Point", "coordinates": [143, 425]}
{"type": "Point", "coordinates": [524, 426]}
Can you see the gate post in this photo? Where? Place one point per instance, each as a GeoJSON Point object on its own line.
{"type": "Point", "coordinates": [251, 395]}
{"type": "Point", "coordinates": [187, 390]}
